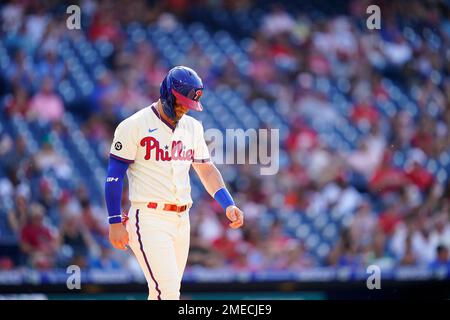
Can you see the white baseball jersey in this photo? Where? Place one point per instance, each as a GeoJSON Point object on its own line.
{"type": "Point", "coordinates": [159, 155]}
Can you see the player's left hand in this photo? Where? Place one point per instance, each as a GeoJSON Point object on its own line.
{"type": "Point", "coordinates": [236, 216]}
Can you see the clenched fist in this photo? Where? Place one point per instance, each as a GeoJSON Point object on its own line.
{"type": "Point", "coordinates": [118, 236]}
{"type": "Point", "coordinates": [236, 216]}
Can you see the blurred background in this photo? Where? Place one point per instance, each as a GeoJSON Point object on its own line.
{"type": "Point", "coordinates": [364, 120]}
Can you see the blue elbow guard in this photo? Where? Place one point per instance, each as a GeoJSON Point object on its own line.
{"type": "Point", "coordinates": [223, 197]}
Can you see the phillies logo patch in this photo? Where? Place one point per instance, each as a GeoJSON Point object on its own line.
{"type": "Point", "coordinates": [177, 152]}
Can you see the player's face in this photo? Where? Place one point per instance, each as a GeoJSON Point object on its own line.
{"type": "Point", "coordinates": [180, 110]}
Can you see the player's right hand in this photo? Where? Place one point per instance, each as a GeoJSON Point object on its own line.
{"type": "Point", "coordinates": [118, 236]}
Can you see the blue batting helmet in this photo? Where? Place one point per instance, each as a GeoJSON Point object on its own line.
{"type": "Point", "coordinates": [184, 84]}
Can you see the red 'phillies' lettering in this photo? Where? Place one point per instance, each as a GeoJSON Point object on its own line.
{"type": "Point", "coordinates": [177, 151]}
{"type": "Point", "coordinates": [149, 143]}
{"type": "Point", "coordinates": [177, 148]}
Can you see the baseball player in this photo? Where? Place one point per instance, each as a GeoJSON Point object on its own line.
{"type": "Point", "coordinates": [156, 147]}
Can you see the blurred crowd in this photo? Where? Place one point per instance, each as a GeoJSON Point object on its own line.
{"type": "Point", "coordinates": [398, 214]}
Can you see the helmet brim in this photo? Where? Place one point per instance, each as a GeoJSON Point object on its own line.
{"type": "Point", "coordinates": [191, 104]}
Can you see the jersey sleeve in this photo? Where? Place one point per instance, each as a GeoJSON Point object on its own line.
{"type": "Point", "coordinates": [201, 151]}
{"type": "Point", "coordinates": [124, 145]}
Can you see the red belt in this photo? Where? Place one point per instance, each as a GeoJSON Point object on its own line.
{"type": "Point", "coordinates": [168, 207]}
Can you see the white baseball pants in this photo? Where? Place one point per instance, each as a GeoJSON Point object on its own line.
{"type": "Point", "coordinates": [160, 241]}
